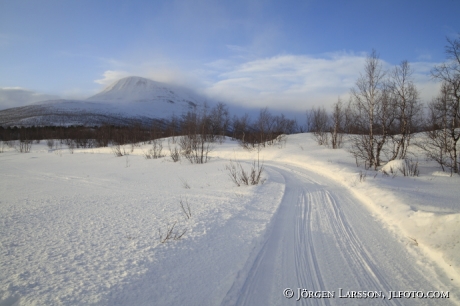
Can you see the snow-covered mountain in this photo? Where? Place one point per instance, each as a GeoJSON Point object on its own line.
{"type": "Point", "coordinates": [128, 99]}
{"type": "Point", "coordinates": [137, 89]}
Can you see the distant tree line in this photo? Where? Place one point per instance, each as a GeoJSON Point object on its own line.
{"type": "Point", "coordinates": [200, 125]}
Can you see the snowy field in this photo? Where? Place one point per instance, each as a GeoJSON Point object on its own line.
{"type": "Point", "coordinates": [86, 228]}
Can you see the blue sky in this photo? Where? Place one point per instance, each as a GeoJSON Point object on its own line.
{"type": "Point", "coordinates": [281, 54]}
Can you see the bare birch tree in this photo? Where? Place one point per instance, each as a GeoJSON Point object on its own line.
{"type": "Point", "coordinates": [445, 111]}
{"type": "Point", "coordinates": [337, 124]}
{"type": "Point", "coordinates": [443, 132]}
{"type": "Point", "coordinates": [407, 106]}
{"type": "Point", "coordinates": [318, 123]}
{"type": "Point", "coordinates": [367, 100]}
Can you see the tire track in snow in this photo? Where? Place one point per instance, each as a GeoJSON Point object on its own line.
{"type": "Point", "coordinates": [305, 255]}
{"type": "Point", "coordinates": [321, 239]}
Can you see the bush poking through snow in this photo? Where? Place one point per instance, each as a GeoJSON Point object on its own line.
{"type": "Point", "coordinates": [155, 151]}
{"type": "Point", "coordinates": [118, 151]}
{"type": "Point", "coordinates": [362, 176]}
{"type": "Point", "coordinates": [406, 167]}
{"type": "Point", "coordinates": [233, 173]}
{"type": "Point", "coordinates": [24, 146]}
{"type": "Point", "coordinates": [410, 168]}
{"type": "Point", "coordinates": [71, 145]}
{"type": "Point", "coordinates": [10, 143]}
{"type": "Point", "coordinates": [184, 183]}
{"type": "Point", "coordinates": [240, 177]}
{"type": "Point", "coordinates": [413, 241]}
{"type": "Point", "coordinates": [195, 148]}
{"type": "Point", "coordinates": [170, 233]}
{"type": "Point", "coordinates": [174, 154]}
{"type": "Point", "coordinates": [50, 143]}
{"type": "Point", "coordinates": [186, 208]}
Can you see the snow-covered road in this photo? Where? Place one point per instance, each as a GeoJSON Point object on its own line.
{"type": "Point", "coordinates": [321, 239]}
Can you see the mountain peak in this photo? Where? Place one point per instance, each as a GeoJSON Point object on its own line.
{"type": "Point", "coordinates": [130, 89]}
{"type": "Point", "coordinates": [136, 90]}
{"type": "Point", "coordinates": [133, 82]}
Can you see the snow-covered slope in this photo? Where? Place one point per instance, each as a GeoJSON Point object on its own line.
{"type": "Point", "coordinates": [88, 229]}
{"type": "Point", "coordinates": [131, 98]}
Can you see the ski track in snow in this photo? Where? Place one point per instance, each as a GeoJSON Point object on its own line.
{"type": "Point", "coordinates": [321, 239]}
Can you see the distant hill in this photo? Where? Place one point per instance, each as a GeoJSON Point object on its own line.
{"type": "Point", "coordinates": [127, 100]}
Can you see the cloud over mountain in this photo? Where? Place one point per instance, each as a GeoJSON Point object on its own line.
{"type": "Point", "coordinates": [16, 96]}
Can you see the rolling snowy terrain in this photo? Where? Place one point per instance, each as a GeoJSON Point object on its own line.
{"type": "Point", "coordinates": [86, 228]}
{"type": "Point", "coordinates": [128, 99]}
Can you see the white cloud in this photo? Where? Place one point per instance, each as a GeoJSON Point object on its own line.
{"type": "Point", "coordinates": [427, 86]}
{"type": "Point", "coordinates": [298, 82]}
{"type": "Point", "coordinates": [17, 96]}
{"type": "Point", "coordinates": [111, 76]}
{"type": "Point", "coordinates": [293, 82]}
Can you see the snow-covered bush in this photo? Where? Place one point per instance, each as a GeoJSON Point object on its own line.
{"type": "Point", "coordinates": [407, 167]}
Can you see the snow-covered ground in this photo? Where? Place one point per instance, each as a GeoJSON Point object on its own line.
{"type": "Point", "coordinates": [84, 228]}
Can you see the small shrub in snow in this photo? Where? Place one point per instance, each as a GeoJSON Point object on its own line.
{"type": "Point", "coordinates": [50, 143]}
{"type": "Point", "coordinates": [281, 140]}
{"type": "Point", "coordinates": [24, 146]}
{"type": "Point", "coordinates": [184, 183]}
{"type": "Point", "coordinates": [174, 154]}
{"type": "Point", "coordinates": [149, 154]}
{"type": "Point", "coordinates": [406, 167]}
{"type": "Point", "coordinates": [410, 168]}
{"type": "Point", "coordinates": [155, 151]}
{"type": "Point", "coordinates": [117, 150]}
{"type": "Point", "coordinates": [414, 241]}
{"type": "Point", "coordinates": [362, 176]}
{"type": "Point", "coordinates": [170, 233]}
{"type": "Point", "coordinates": [393, 172]}
{"type": "Point", "coordinates": [195, 148]}
{"type": "Point", "coordinates": [239, 176]}
{"type": "Point", "coordinates": [10, 143]}
{"type": "Point", "coordinates": [186, 208]}
{"type": "Point", "coordinates": [71, 145]}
